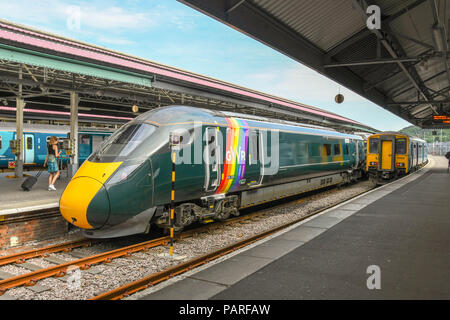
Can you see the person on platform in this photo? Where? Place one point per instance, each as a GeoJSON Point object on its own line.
{"type": "Point", "coordinates": [51, 160]}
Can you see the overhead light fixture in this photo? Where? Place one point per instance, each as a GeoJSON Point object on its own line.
{"type": "Point", "coordinates": [135, 108]}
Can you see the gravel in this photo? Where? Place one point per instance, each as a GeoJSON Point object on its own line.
{"type": "Point", "coordinates": [84, 285]}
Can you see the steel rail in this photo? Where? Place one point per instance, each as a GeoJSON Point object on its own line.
{"type": "Point", "coordinates": [21, 257]}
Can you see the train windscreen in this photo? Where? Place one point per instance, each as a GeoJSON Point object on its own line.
{"type": "Point", "coordinates": [373, 145]}
{"type": "Point", "coordinates": [124, 143]}
{"type": "Point", "coordinates": [400, 146]}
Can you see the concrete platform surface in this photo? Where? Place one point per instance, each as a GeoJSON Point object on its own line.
{"type": "Point", "coordinates": [395, 237]}
{"type": "Point", "coordinates": [14, 200]}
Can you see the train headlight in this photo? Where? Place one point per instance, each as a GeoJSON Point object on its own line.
{"type": "Point", "coordinates": [122, 174]}
{"type": "Point", "coordinates": [400, 164]}
{"type": "Point", "coordinates": [373, 163]}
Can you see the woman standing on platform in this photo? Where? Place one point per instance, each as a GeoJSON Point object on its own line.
{"type": "Point", "coordinates": [52, 154]}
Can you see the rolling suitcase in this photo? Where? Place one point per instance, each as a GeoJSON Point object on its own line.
{"type": "Point", "coordinates": [28, 184]}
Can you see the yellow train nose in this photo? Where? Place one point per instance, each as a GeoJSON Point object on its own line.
{"type": "Point", "coordinates": [85, 202]}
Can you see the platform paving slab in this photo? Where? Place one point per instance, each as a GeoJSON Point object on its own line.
{"type": "Point", "coordinates": [323, 221]}
{"type": "Point", "coordinates": [193, 288]}
{"type": "Point", "coordinates": [302, 233]}
{"type": "Point", "coordinates": [340, 214]}
{"type": "Point", "coordinates": [6, 297]}
{"type": "Point", "coordinates": [232, 270]}
{"type": "Point", "coordinates": [273, 249]}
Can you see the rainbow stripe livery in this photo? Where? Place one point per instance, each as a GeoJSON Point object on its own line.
{"type": "Point", "coordinates": [235, 155]}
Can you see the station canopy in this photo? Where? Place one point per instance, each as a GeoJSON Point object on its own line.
{"type": "Point", "coordinates": [113, 87]}
{"type": "Point", "coordinates": [401, 66]}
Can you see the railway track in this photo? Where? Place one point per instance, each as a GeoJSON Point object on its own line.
{"type": "Point", "coordinates": [60, 270]}
{"type": "Point", "coordinates": [156, 278]}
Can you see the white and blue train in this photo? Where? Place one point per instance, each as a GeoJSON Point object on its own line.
{"type": "Point", "coordinates": [36, 137]}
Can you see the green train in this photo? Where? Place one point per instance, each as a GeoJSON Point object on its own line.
{"type": "Point", "coordinates": [224, 162]}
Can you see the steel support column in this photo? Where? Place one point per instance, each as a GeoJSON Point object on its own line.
{"type": "Point", "coordinates": [20, 105]}
{"type": "Point", "coordinates": [73, 165]}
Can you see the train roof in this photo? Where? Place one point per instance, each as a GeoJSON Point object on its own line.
{"type": "Point", "coordinates": [182, 114]}
{"type": "Point", "coordinates": [399, 133]}
{"type": "Point", "coordinates": [48, 128]}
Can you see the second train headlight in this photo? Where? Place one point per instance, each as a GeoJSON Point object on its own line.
{"type": "Point", "coordinates": [122, 173]}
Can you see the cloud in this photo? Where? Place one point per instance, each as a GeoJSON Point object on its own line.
{"type": "Point", "coordinates": [95, 15]}
{"type": "Point", "coordinates": [300, 83]}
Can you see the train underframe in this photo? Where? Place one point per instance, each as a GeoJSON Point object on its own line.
{"type": "Point", "coordinates": [380, 177]}
{"type": "Point", "coordinates": [221, 207]}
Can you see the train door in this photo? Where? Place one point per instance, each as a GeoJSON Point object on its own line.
{"type": "Point", "coordinates": [386, 154]}
{"type": "Point", "coordinates": [416, 145]}
{"type": "Point", "coordinates": [96, 141]}
{"type": "Point", "coordinates": [253, 160]}
{"type": "Point", "coordinates": [28, 147]}
{"type": "Point", "coordinates": [211, 156]}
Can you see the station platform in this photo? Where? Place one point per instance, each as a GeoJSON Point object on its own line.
{"type": "Point", "coordinates": [401, 228]}
{"type": "Point", "coordinates": [14, 200]}
{"type": "Point", "coordinates": [27, 217]}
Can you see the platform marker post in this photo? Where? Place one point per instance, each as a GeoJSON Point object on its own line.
{"type": "Point", "coordinates": [172, 202]}
{"type": "Point", "coordinates": [174, 144]}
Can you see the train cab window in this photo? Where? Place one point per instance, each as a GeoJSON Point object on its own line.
{"type": "Point", "coordinates": [373, 145]}
{"type": "Point", "coordinates": [327, 149]}
{"type": "Point", "coordinates": [337, 149]}
{"type": "Point", "coordinates": [400, 146]}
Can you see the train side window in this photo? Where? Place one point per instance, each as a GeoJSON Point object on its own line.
{"type": "Point", "coordinates": [1, 142]}
{"type": "Point", "coordinates": [345, 149]}
{"type": "Point", "coordinates": [315, 150]}
{"type": "Point", "coordinates": [337, 149]}
{"type": "Point", "coordinates": [29, 143]}
{"type": "Point", "coordinates": [373, 145]}
{"type": "Point", "coordinates": [327, 149]}
{"type": "Point", "coordinates": [301, 150]}
{"type": "Point", "coordinates": [254, 148]}
{"type": "Point", "coordinates": [84, 139]}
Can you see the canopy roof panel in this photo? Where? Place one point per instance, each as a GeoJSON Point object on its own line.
{"type": "Point", "coordinates": [403, 66]}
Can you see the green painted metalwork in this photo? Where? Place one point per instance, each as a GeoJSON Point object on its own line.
{"type": "Point", "coordinates": [44, 60]}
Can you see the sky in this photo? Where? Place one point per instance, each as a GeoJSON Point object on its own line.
{"type": "Point", "coordinates": [171, 33]}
